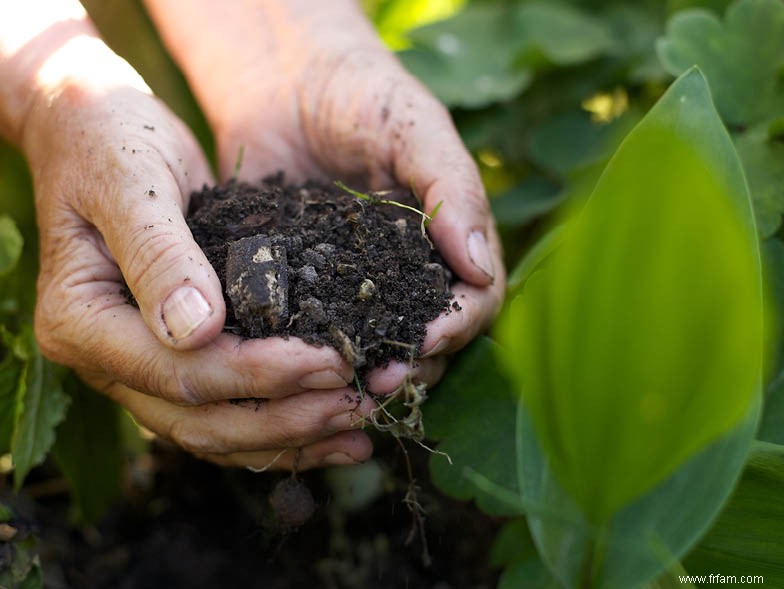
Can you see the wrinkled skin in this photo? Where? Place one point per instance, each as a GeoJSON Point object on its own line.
{"type": "Point", "coordinates": [113, 169]}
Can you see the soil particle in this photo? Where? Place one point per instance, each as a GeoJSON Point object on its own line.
{"type": "Point", "coordinates": [317, 263]}
{"type": "Point", "coordinates": [292, 503]}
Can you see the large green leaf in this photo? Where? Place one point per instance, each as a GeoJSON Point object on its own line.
{"type": "Point", "coordinates": [89, 451]}
{"type": "Point", "coordinates": [41, 406]}
{"type": "Point", "coordinates": [741, 56]}
{"type": "Point", "coordinates": [642, 540]}
{"type": "Point", "coordinates": [641, 342]}
{"type": "Point", "coordinates": [10, 244]}
{"type": "Point", "coordinates": [748, 537]}
{"type": "Point", "coordinates": [472, 413]}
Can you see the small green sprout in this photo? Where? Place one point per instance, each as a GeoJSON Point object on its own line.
{"type": "Point", "coordinates": [238, 162]}
{"type": "Point", "coordinates": [373, 198]}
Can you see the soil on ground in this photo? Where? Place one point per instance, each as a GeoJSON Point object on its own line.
{"type": "Point", "coordinates": [321, 264]}
{"type": "Point", "coordinates": [186, 524]}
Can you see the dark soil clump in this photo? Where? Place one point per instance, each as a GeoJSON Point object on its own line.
{"type": "Point", "coordinates": [317, 263]}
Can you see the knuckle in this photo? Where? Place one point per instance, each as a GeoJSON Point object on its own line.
{"type": "Point", "coordinates": [177, 389]}
{"type": "Point", "coordinates": [153, 375]}
{"type": "Point", "coordinates": [296, 432]}
{"type": "Point", "coordinates": [151, 254]}
{"type": "Point", "coordinates": [189, 437]}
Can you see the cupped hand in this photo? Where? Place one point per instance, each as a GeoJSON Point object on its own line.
{"type": "Point", "coordinates": [353, 112]}
{"type": "Point", "coordinates": [113, 169]}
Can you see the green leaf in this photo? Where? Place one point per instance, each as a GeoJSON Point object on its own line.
{"type": "Point", "coordinates": [395, 18]}
{"type": "Point", "coordinates": [763, 162]}
{"type": "Point", "coordinates": [6, 513]}
{"type": "Point", "coordinates": [472, 413]}
{"type": "Point", "coordinates": [534, 197]}
{"type": "Point", "coordinates": [717, 6]}
{"type": "Point", "coordinates": [89, 451]}
{"type": "Point", "coordinates": [740, 56]}
{"type": "Point", "coordinates": [10, 376]}
{"type": "Point", "coordinates": [24, 569]}
{"type": "Point", "coordinates": [748, 537]}
{"type": "Point", "coordinates": [772, 425]}
{"type": "Point", "coordinates": [468, 60]}
{"type": "Point", "coordinates": [34, 579]}
{"type": "Point", "coordinates": [528, 574]}
{"type": "Point", "coordinates": [43, 405]}
{"type": "Point", "coordinates": [487, 53]}
{"type": "Point", "coordinates": [677, 578]}
{"type": "Point", "coordinates": [561, 33]}
{"type": "Point", "coordinates": [10, 244]}
{"type": "Point", "coordinates": [513, 543]}
{"type": "Point", "coordinates": [645, 538]}
{"type": "Point", "coordinates": [641, 341]}
{"type": "Point", "coordinates": [562, 144]}
{"type": "Point", "coordinates": [535, 258]}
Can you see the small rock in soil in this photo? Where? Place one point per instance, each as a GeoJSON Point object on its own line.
{"type": "Point", "coordinates": [257, 283]}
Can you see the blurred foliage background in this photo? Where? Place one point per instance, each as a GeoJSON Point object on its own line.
{"type": "Point", "coordinates": [542, 93]}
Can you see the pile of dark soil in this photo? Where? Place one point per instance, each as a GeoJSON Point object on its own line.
{"type": "Point", "coordinates": [318, 263]}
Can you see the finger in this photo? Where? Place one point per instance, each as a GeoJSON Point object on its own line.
{"type": "Point", "coordinates": [455, 328]}
{"type": "Point", "coordinates": [250, 425]}
{"type": "Point", "coordinates": [226, 368]}
{"type": "Point", "coordinates": [386, 380]}
{"type": "Point", "coordinates": [426, 151]}
{"type": "Point", "coordinates": [140, 215]}
{"type": "Point", "coordinates": [344, 448]}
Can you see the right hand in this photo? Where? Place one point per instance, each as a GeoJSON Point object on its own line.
{"type": "Point", "coordinates": [113, 169]}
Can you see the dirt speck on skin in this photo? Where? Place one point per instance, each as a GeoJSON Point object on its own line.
{"type": "Point", "coordinates": [315, 262]}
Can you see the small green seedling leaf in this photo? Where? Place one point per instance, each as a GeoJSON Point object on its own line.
{"type": "Point", "coordinates": [640, 343]}
{"type": "Point", "coordinates": [373, 198]}
{"type": "Point", "coordinates": [433, 213]}
{"type": "Point", "coordinates": [740, 56]}
{"type": "Point", "coordinates": [238, 162]}
{"type": "Point", "coordinates": [10, 244]}
{"type": "Point", "coordinates": [351, 191]}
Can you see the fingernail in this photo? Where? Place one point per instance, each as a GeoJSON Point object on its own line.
{"type": "Point", "coordinates": [479, 252]}
{"type": "Point", "coordinates": [184, 311]}
{"type": "Point", "coordinates": [338, 458]}
{"type": "Point", "coordinates": [323, 379]}
{"type": "Point", "coordinates": [440, 346]}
